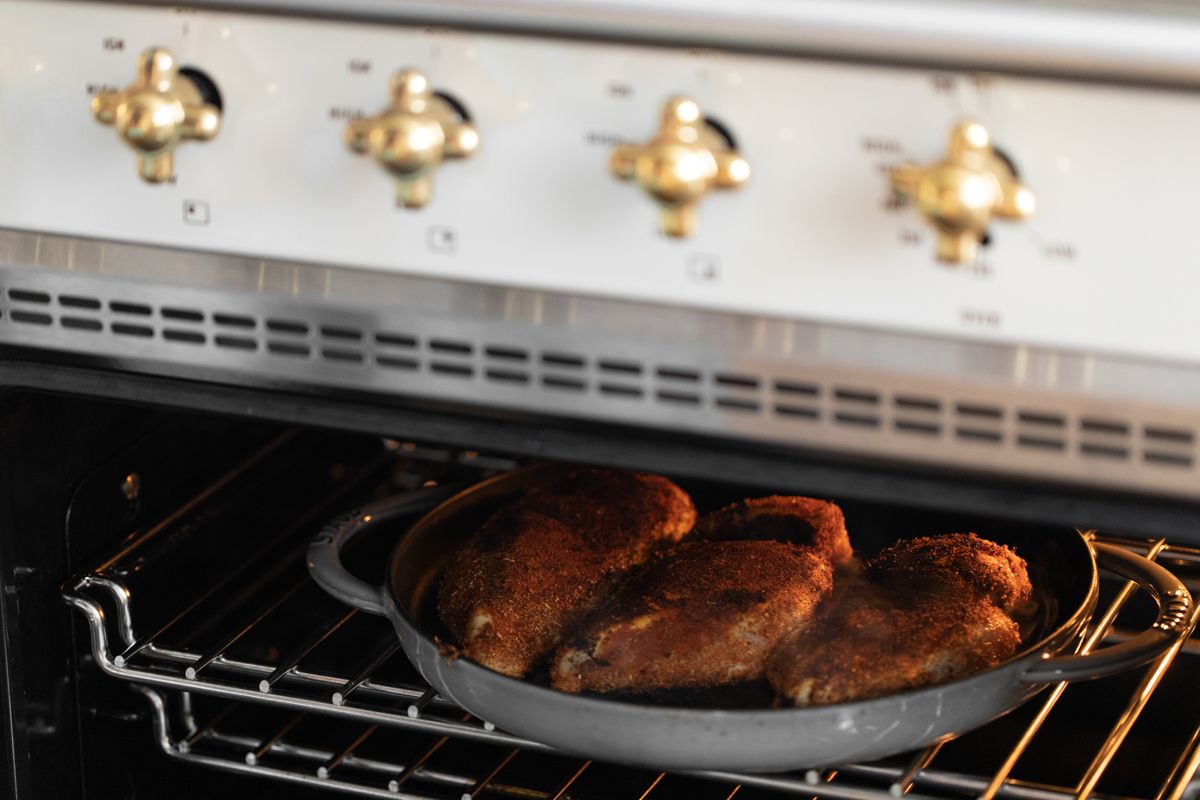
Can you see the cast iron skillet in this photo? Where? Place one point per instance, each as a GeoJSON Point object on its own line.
{"type": "Point", "coordinates": [1063, 568]}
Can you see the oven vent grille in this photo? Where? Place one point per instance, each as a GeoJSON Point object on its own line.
{"type": "Point", "coordinates": [789, 403]}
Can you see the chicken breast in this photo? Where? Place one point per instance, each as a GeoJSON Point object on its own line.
{"type": "Point", "coordinates": [925, 611]}
{"type": "Point", "coordinates": [702, 614]}
{"type": "Point", "coordinates": [957, 563]}
{"type": "Point", "coordinates": [537, 567]}
{"type": "Point", "coordinates": [799, 520]}
{"type": "Point", "coordinates": [870, 644]}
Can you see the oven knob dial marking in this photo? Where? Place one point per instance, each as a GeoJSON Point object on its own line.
{"type": "Point", "coordinates": [413, 136]}
{"type": "Point", "coordinates": [686, 159]}
{"type": "Point", "coordinates": [160, 109]}
{"type": "Point", "coordinates": [960, 194]}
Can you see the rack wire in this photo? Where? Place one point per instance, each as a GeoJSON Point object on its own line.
{"type": "Point", "coordinates": [379, 695]}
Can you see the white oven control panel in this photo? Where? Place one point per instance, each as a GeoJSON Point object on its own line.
{"type": "Point", "coordinates": [809, 227]}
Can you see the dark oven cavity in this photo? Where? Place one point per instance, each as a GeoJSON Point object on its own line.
{"type": "Point", "coordinates": [205, 655]}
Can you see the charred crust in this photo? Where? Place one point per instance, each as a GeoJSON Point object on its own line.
{"type": "Point", "coordinates": [925, 611]}
{"type": "Point", "coordinates": [704, 613]}
{"type": "Point", "coordinates": [541, 563]}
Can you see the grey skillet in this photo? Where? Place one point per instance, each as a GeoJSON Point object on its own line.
{"type": "Point", "coordinates": [776, 739]}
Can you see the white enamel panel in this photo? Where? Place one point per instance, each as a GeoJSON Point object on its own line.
{"type": "Point", "coordinates": [1106, 266]}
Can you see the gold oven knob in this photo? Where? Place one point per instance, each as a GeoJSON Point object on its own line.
{"type": "Point", "coordinates": [412, 136]}
{"type": "Point", "coordinates": [686, 160]}
{"type": "Point", "coordinates": [160, 109]}
{"type": "Point", "coordinates": [961, 194]}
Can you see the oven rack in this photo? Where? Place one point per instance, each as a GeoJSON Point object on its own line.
{"type": "Point", "coordinates": [181, 736]}
{"type": "Point", "coordinates": [153, 662]}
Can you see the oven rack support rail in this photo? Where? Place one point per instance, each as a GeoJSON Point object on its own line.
{"type": "Point", "coordinates": [276, 758]}
{"type": "Point", "coordinates": [153, 664]}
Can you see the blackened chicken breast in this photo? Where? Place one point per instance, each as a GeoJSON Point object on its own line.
{"type": "Point", "coordinates": [536, 568]}
{"type": "Point", "coordinates": [703, 614]}
{"type": "Point", "coordinates": [925, 611]}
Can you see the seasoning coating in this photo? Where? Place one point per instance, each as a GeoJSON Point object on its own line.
{"type": "Point", "coordinates": [925, 611]}
{"type": "Point", "coordinates": [540, 564]}
{"type": "Point", "coordinates": [705, 613]}
{"type": "Point", "coordinates": [960, 563]}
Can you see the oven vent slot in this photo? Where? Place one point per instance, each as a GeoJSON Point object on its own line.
{"type": "Point", "coordinates": [450, 347]}
{"type": "Point", "coordinates": [510, 376]}
{"type": "Point", "coordinates": [915, 415]}
{"type": "Point", "coordinates": [341, 334]}
{"type": "Point", "coordinates": [978, 423]}
{"type": "Point", "coordinates": [563, 372]}
{"type": "Point", "coordinates": [1041, 431]}
{"type": "Point", "coordinates": [1168, 459]}
{"type": "Point", "coordinates": [397, 362]}
{"type": "Point", "coordinates": [227, 320]}
{"type": "Point", "coordinates": [80, 323]}
{"type": "Point", "coordinates": [229, 342]}
{"type": "Point", "coordinates": [677, 398]}
{"type": "Point", "coordinates": [506, 354]}
{"type": "Point", "coordinates": [340, 345]}
{"type": "Point", "coordinates": [179, 314]}
{"type": "Point", "coordinates": [130, 309]}
{"type": "Point", "coordinates": [736, 393]}
{"type": "Point", "coordinates": [451, 369]}
{"type": "Point", "coordinates": [978, 434]}
{"type": "Point", "coordinates": [1044, 443]}
{"type": "Point", "coordinates": [560, 360]}
{"type": "Point", "coordinates": [618, 379]}
{"type": "Point", "coordinates": [561, 383]}
{"type": "Point", "coordinates": [342, 355]}
{"type": "Point", "coordinates": [24, 317]}
{"type": "Point", "coordinates": [177, 335]}
{"type": "Point", "coordinates": [1104, 438]}
{"type": "Point", "coordinates": [1040, 419]}
{"type": "Point", "coordinates": [74, 301]}
{"type": "Point", "coordinates": [287, 327]}
{"type": "Point", "coordinates": [506, 365]}
{"type": "Point", "coordinates": [615, 366]}
{"type": "Point", "coordinates": [797, 400]}
{"type": "Point", "coordinates": [1168, 447]}
{"type": "Point", "coordinates": [1169, 435]}
{"type": "Point", "coordinates": [28, 296]}
{"type": "Point", "coordinates": [681, 375]}
{"type": "Point", "coordinates": [129, 329]}
{"type": "Point", "coordinates": [678, 386]}
{"type": "Point", "coordinates": [856, 407]}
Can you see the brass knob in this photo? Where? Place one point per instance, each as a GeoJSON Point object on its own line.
{"type": "Point", "coordinates": [156, 112]}
{"type": "Point", "coordinates": [961, 194]}
{"type": "Point", "coordinates": [685, 160]}
{"type": "Point", "coordinates": [412, 136]}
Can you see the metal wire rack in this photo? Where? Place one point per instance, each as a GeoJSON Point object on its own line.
{"type": "Point", "coordinates": [253, 660]}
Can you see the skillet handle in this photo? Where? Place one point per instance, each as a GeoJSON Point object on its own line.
{"type": "Point", "coordinates": [1173, 622]}
{"type": "Point", "coordinates": [325, 550]}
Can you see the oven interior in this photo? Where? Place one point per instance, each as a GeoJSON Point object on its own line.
{"type": "Point", "coordinates": [161, 630]}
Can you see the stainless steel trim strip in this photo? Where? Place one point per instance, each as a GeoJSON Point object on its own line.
{"type": "Point", "coordinates": [1140, 42]}
{"type": "Point", "coordinates": [1028, 412]}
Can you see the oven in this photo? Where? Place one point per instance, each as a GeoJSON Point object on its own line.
{"type": "Point", "coordinates": [265, 262]}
